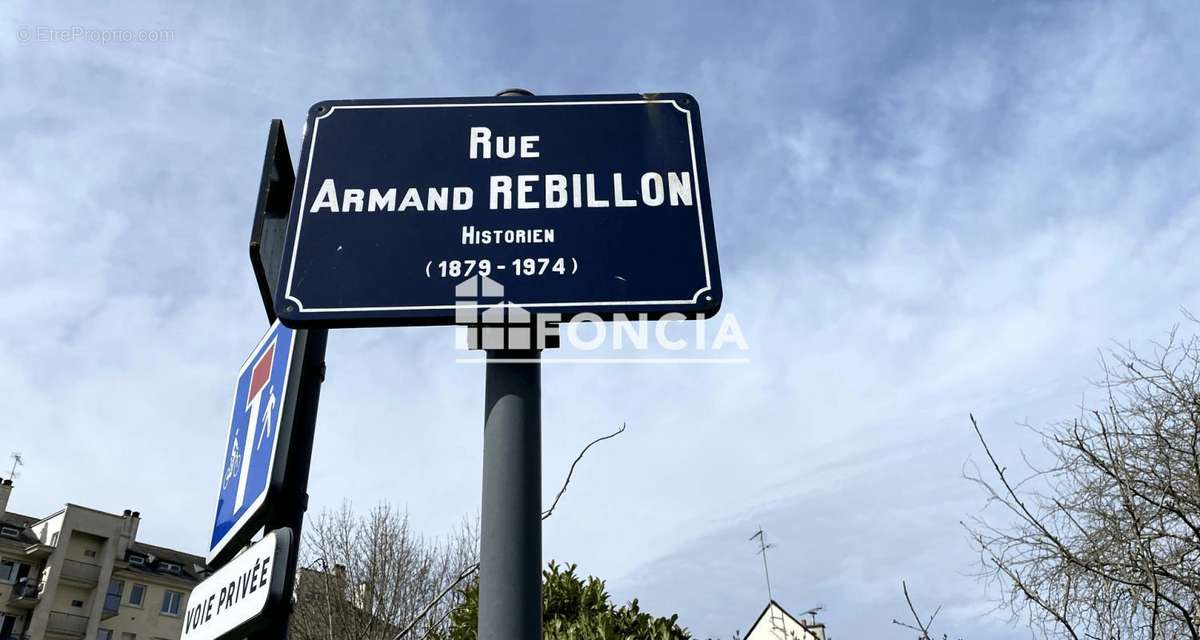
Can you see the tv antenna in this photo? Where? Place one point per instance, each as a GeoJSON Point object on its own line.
{"type": "Point", "coordinates": [17, 461]}
{"type": "Point", "coordinates": [762, 550]}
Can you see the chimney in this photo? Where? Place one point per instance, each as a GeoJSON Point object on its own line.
{"type": "Point", "coordinates": [129, 529]}
{"type": "Point", "coordinates": [5, 492]}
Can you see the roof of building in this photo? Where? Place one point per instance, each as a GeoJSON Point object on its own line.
{"type": "Point", "coordinates": [163, 553]}
{"type": "Point", "coordinates": [804, 625]}
{"type": "Point", "coordinates": [191, 567]}
{"type": "Point", "coordinates": [21, 522]}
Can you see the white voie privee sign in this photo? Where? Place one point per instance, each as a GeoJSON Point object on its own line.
{"type": "Point", "coordinates": [242, 592]}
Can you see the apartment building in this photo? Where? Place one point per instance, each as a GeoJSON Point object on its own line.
{"type": "Point", "coordinates": [81, 573]}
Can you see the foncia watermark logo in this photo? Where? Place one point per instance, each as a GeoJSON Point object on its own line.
{"type": "Point", "coordinates": [488, 322]}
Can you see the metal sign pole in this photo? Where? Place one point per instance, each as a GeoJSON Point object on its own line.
{"type": "Point", "coordinates": [266, 242]}
{"type": "Point", "coordinates": [510, 540]}
{"type": "Point", "coordinates": [294, 503]}
{"type": "Point", "coordinates": [510, 577]}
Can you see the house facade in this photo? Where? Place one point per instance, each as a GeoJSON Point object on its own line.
{"type": "Point", "coordinates": [775, 623]}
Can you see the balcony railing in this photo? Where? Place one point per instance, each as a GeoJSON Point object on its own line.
{"type": "Point", "coordinates": [82, 572]}
{"type": "Point", "coordinates": [112, 606]}
{"type": "Point", "coordinates": [67, 624]}
{"type": "Point", "coordinates": [25, 594]}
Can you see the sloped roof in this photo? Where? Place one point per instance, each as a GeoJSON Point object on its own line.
{"type": "Point", "coordinates": [795, 621]}
{"type": "Point", "coordinates": [187, 562]}
{"type": "Point", "coordinates": [21, 522]}
{"type": "Point", "coordinates": [163, 553]}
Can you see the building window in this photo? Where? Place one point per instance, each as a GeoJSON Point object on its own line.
{"type": "Point", "coordinates": [89, 553]}
{"type": "Point", "coordinates": [10, 532]}
{"type": "Point", "coordinates": [8, 623]}
{"type": "Point", "coordinates": [137, 594]}
{"type": "Point", "coordinates": [54, 539]}
{"type": "Point", "coordinates": [8, 571]}
{"type": "Point", "coordinates": [172, 601]}
{"type": "Point", "coordinates": [78, 604]}
{"type": "Point", "coordinates": [104, 634]}
{"type": "Point", "coordinates": [12, 571]}
{"type": "Point", "coordinates": [137, 561]}
{"type": "Point", "coordinates": [112, 599]}
{"type": "Point", "coordinates": [170, 567]}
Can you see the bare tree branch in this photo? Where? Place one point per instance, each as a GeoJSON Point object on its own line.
{"type": "Point", "coordinates": [921, 627]}
{"type": "Point", "coordinates": [376, 573]}
{"type": "Point", "coordinates": [548, 512]}
{"type": "Point", "coordinates": [1103, 540]}
{"type": "Point", "coordinates": [473, 567]}
{"type": "Point", "coordinates": [470, 570]}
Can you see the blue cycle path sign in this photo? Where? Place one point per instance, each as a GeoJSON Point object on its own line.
{"type": "Point", "coordinates": [575, 204]}
{"type": "Point", "coordinates": [254, 451]}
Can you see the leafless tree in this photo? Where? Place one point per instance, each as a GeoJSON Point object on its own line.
{"type": "Point", "coordinates": [1103, 540]}
{"type": "Point", "coordinates": [366, 576]}
{"type": "Point", "coordinates": [373, 578]}
{"type": "Point", "coordinates": [923, 626]}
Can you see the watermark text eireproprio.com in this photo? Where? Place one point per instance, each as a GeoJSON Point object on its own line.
{"type": "Point", "coordinates": [79, 33]}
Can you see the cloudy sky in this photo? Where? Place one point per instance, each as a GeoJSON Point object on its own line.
{"type": "Point", "coordinates": [923, 210]}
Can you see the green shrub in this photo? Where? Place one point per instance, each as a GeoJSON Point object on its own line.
{"type": "Point", "coordinates": [575, 609]}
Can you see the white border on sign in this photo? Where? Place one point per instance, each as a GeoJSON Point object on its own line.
{"type": "Point", "coordinates": [258, 502]}
{"type": "Point", "coordinates": [217, 623]}
{"type": "Point", "coordinates": [308, 170]}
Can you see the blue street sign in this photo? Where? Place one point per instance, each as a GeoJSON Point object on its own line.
{"type": "Point", "coordinates": [574, 204]}
{"type": "Point", "coordinates": [255, 447]}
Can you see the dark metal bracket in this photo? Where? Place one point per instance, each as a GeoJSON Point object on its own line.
{"type": "Point", "coordinates": [269, 232]}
